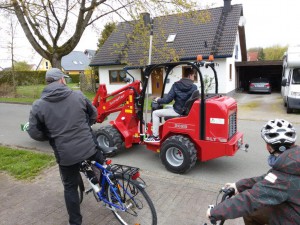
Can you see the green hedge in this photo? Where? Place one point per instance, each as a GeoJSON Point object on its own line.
{"type": "Point", "coordinates": [23, 77]}
{"type": "Point", "coordinates": [29, 77]}
{"type": "Point", "coordinates": [75, 78]}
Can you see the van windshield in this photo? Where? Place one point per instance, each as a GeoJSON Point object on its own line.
{"type": "Point", "coordinates": [296, 76]}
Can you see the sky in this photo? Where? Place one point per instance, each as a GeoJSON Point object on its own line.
{"type": "Point", "coordinates": [268, 23]}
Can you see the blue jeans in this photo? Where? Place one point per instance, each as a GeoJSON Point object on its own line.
{"type": "Point", "coordinates": [70, 179]}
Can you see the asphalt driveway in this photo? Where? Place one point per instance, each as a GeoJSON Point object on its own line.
{"type": "Point", "coordinates": [192, 192]}
{"type": "Point", "coordinates": [263, 107]}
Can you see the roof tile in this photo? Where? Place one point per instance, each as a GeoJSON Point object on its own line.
{"type": "Point", "coordinates": [190, 39]}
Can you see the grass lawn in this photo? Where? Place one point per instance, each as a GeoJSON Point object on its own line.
{"type": "Point", "coordinates": [29, 93]}
{"type": "Point", "coordinates": [24, 164]}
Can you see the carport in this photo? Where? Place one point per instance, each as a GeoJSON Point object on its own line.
{"type": "Point", "coordinates": [253, 69]}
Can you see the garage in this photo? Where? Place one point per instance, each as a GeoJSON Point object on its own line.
{"type": "Point", "coordinates": [255, 69]}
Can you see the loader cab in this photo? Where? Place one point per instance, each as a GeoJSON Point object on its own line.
{"type": "Point", "coordinates": [197, 97]}
{"type": "Point", "coordinates": [206, 131]}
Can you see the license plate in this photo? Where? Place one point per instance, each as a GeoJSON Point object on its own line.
{"type": "Point", "coordinates": [259, 85]}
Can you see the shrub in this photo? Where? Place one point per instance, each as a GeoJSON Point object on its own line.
{"type": "Point", "coordinates": [23, 77]}
{"type": "Point", "coordinates": [6, 89]}
{"type": "Point", "coordinates": [75, 78]}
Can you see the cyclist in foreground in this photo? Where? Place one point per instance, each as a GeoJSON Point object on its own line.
{"type": "Point", "coordinates": [272, 198]}
{"type": "Point", "coordinates": [64, 118]}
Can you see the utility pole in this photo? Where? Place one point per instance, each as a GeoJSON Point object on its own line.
{"type": "Point", "coordinates": [149, 63]}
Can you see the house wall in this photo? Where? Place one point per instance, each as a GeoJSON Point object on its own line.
{"type": "Point", "coordinates": [73, 72]}
{"type": "Point", "coordinates": [227, 83]}
{"type": "Point", "coordinates": [104, 77]}
{"type": "Point", "coordinates": [44, 64]}
{"type": "Point", "coordinates": [222, 68]}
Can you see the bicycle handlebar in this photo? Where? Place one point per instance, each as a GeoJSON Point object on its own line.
{"type": "Point", "coordinates": [228, 193]}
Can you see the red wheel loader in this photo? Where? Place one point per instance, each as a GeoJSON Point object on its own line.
{"type": "Point", "coordinates": [206, 131]}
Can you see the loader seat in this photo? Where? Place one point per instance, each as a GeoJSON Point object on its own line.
{"type": "Point", "coordinates": [188, 105]}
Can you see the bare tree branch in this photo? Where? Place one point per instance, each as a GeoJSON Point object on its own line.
{"type": "Point", "coordinates": [112, 11]}
{"type": "Point", "coordinates": [49, 24]}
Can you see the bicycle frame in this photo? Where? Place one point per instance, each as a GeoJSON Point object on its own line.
{"type": "Point", "coordinates": [105, 179]}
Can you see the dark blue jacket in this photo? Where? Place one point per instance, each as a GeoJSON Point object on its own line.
{"type": "Point", "coordinates": [180, 92]}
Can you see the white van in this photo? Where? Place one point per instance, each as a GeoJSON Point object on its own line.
{"type": "Point", "coordinates": [290, 85]}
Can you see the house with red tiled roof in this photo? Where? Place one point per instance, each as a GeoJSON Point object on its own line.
{"type": "Point", "coordinates": [252, 56]}
{"type": "Point", "coordinates": [222, 34]}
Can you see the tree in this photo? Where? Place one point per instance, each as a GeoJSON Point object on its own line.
{"type": "Point", "coordinates": [275, 52]}
{"type": "Point", "coordinates": [11, 46]}
{"type": "Point", "coordinates": [54, 28]}
{"type": "Point", "coordinates": [22, 66]}
{"type": "Point", "coordinates": [108, 29]}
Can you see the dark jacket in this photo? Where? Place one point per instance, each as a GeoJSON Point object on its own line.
{"type": "Point", "coordinates": [279, 188]}
{"type": "Point", "coordinates": [180, 92]}
{"type": "Point", "coordinates": [64, 118]}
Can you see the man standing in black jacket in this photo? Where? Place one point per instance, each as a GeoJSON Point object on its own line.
{"type": "Point", "coordinates": [180, 92]}
{"type": "Point", "coordinates": [64, 118]}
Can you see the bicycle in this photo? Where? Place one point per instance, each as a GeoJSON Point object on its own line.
{"type": "Point", "coordinates": [227, 193]}
{"type": "Point", "coordinates": [121, 190]}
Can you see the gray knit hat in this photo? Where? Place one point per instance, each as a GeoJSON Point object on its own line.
{"type": "Point", "coordinates": [55, 74]}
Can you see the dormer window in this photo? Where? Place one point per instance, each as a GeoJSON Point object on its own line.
{"type": "Point", "coordinates": [171, 38]}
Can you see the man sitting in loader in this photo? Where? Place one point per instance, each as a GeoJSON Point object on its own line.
{"type": "Point", "coordinates": [180, 92]}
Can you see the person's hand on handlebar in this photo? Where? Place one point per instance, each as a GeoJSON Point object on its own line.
{"type": "Point", "coordinates": [212, 219]}
{"type": "Point", "coordinates": [155, 99]}
{"type": "Point", "coordinates": [208, 213]}
{"type": "Point", "coordinates": [232, 185]}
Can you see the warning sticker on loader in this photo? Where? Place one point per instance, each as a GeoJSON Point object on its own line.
{"type": "Point", "coordinates": [217, 121]}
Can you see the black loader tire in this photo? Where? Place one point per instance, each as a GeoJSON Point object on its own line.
{"type": "Point", "coordinates": [108, 136]}
{"type": "Point", "coordinates": [178, 154]}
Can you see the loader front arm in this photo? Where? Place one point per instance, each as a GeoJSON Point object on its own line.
{"type": "Point", "coordinates": [122, 100]}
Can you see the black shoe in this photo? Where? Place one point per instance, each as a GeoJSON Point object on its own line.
{"type": "Point", "coordinates": [152, 139]}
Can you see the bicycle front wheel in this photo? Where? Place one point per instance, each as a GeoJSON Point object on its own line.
{"type": "Point", "coordinates": [140, 209]}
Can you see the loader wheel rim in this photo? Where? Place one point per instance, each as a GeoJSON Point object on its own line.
{"type": "Point", "coordinates": [174, 156]}
{"type": "Point", "coordinates": [103, 140]}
